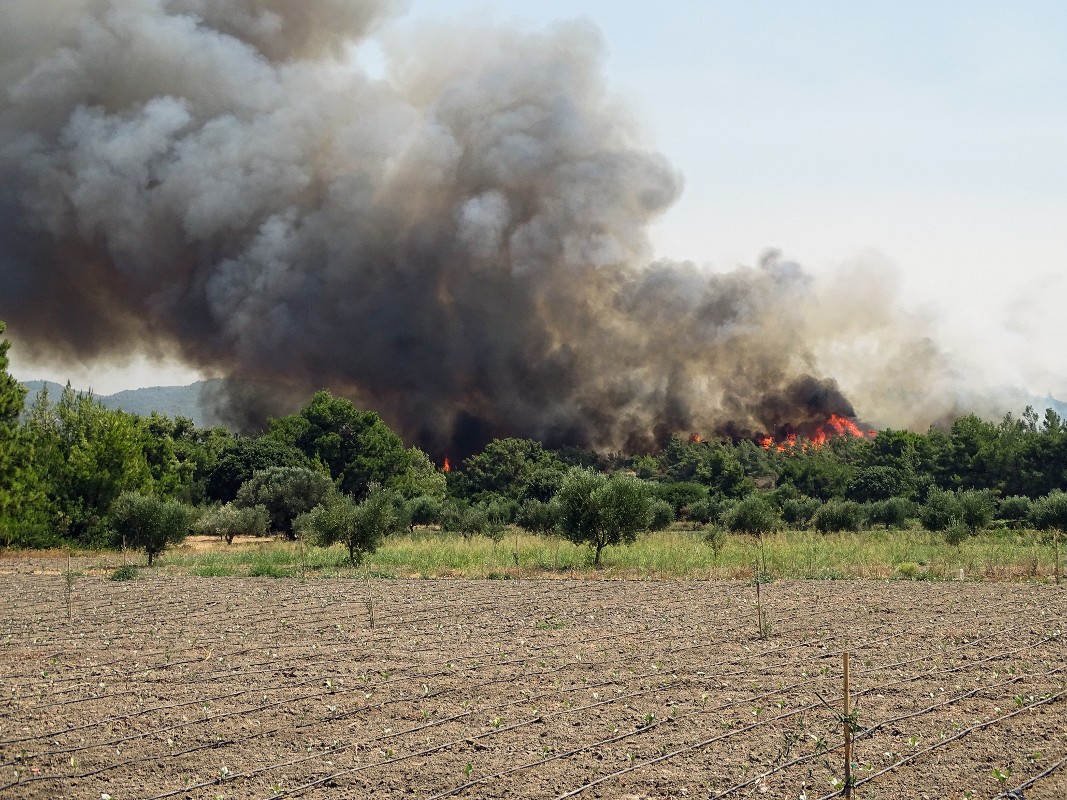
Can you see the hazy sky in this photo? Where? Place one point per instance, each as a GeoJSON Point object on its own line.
{"type": "Point", "coordinates": [929, 138]}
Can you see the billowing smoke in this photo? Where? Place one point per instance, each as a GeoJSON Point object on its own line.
{"type": "Point", "coordinates": [460, 245]}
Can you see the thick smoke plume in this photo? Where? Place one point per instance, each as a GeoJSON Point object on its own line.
{"type": "Point", "coordinates": [460, 245]}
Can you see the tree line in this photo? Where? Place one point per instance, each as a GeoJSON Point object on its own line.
{"type": "Point", "coordinates": [75, 473]}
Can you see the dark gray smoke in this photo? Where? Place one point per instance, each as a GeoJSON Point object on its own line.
{"type": "Point", "coordinates": [460, 246]}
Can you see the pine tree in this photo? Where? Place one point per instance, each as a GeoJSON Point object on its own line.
{"type": "Point", "coordinates": [13, 461]}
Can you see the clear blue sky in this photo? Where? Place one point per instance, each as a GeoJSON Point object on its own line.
{"type": "Point", "coordinates": [927, 137]}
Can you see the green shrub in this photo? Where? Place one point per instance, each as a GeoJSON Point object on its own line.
{"type": "Point", "coordinates": [227, 521]}
{"type": "Point", "coordinates": [940, 511]}
{"type": "Point", "coordinates": [360, 527]}
{"type": "Point", "coordinates": [598, 510]}
{"type": "Point", "coordinates": [957, 533]}
{"type": "Point", "coordinates": [839, 515]}
{"type": "Point", "coordinates": [423, 510]}
{"type": "Point", "coordinates": [464, 519]}
{"type": "Point", "coordinates": [1050, 511]}
{"type": "Point", "coordinates": [976, 508]}
{"type": "Point", "coordinates": [907, 569]}
{"type": "Point", "coordinates": [1014, 510]}
{"type": "Point", "coordinates": [893, 513]}
{"type": "Point", "coordinates": [798, 512]}
{"type": "Point", "coordinates": [662, 515]}
{"type": "Point", "coordinates": [148, 523]}
{"type": "Point", "coordinates": [286, 492]}
{"type": "Point", "coordinates": [125, 573]}
{"type": "Point", "coordinates": [715, 536]}
{"type": "Point", "coordinates": [871, 484]}
{"type": "Point", "coordinates": [537, 516]}
{"type": "Point", "coordinates": [680, 495]}
{"type": "Point", "coordinates": [754, 514]}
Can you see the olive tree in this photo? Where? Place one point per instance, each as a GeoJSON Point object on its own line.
{"type": "Point", "coordinates": [755, 514]}
{"type": "Point", "coordinates": [468, 520]}
{"type": "Point", "coordinates": [148, 523]}
{"type": "Point", "coordinates": [227, 521]}
{"type": "Point", "coordinates": [537, 516]}
{"type": "Point", "coordinates": [360, 527]}
{"type": "Point", "coordinates": [598, 510]}
{"type": "Point", "coordinates": [286, 492]}
{"type": "Point", "coordinates": [1050, 513]}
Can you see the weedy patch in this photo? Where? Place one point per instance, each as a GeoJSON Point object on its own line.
{"type": "Point", "coordinates": [127, 572]}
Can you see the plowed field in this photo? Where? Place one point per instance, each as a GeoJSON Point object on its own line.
{"type": "Point", "coordinates": [260, 688]}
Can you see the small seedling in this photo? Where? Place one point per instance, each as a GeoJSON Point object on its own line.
{"type": "Point", "coordinates": [1001, 777]}
{"type": "Point", "coordinates": [467, 770]}
{"type": "Point", "coordinates": [69, 579]}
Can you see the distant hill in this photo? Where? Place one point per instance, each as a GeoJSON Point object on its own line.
{"type": "Point", "coordinates": [189, 401]}
{"type": "Point", "coordinates": [172, 401]}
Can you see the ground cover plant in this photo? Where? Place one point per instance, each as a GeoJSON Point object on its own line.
{"type": "Point", "coordinates": [181, 686]}
{"type": "Point", "coordinates": [1024, 555]}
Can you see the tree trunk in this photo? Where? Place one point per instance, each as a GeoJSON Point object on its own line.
{"type": "Point", "coordinates": [596, 558]}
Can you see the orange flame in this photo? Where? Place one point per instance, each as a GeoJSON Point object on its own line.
{"type": "Point", "coordinates": [447, 466]}
{"type": "Point", "coordinates": [834, 427]}
{"type": "Point", "coordinates": [694, 438]}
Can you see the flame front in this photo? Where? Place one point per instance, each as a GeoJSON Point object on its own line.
{"type": "Point", "coordinates": [834, 427]}
{"type": "Point", "coordinates": [446, 467]}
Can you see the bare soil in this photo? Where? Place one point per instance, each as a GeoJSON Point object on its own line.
{"type": "Point", "coordinates": [259, 688]}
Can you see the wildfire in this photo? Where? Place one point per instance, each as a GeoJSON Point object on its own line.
{"type": "Point", "coordinates": [447, 467]}
{"type": "Point", "coordinates": [694, 438]}
{"type": "Point", "coordinates": [834, 427]}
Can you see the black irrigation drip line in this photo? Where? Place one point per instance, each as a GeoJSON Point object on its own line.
{"type": "Point", "coordinates": [492, 657]}
{"type": "Point", "coordinates": [695, 746]}
{"type": "Point", "coordinates": [1040, 776]}
{"type": "Point", "coordinates": [157, 731]}
{"type": "Point", "coordinates": [88, 774]}
{"type": "Point", "coordinates": [706, 742]}
{"type": "Point", "coordinates": [544, 717]}
{"type": "Point", "coordinates": [385, 737]}
{"type": "Point", "coordinates": [239, 775]}
{"type": "Point", "coordinates": [768, 722]}
{"type": "Point", "coordinates": [437, 748]}
{"type": "Point", "coordinates": [289, 700]}
{"type": "Point", "coordinates": [955, 737]}
{"type": "Point", "coordinates": [870, 731]}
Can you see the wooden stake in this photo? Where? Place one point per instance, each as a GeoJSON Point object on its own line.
{"type": "Point", "coordinates": [847, 723]}
{"type": "Point", "coordinates": [70, 593]}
